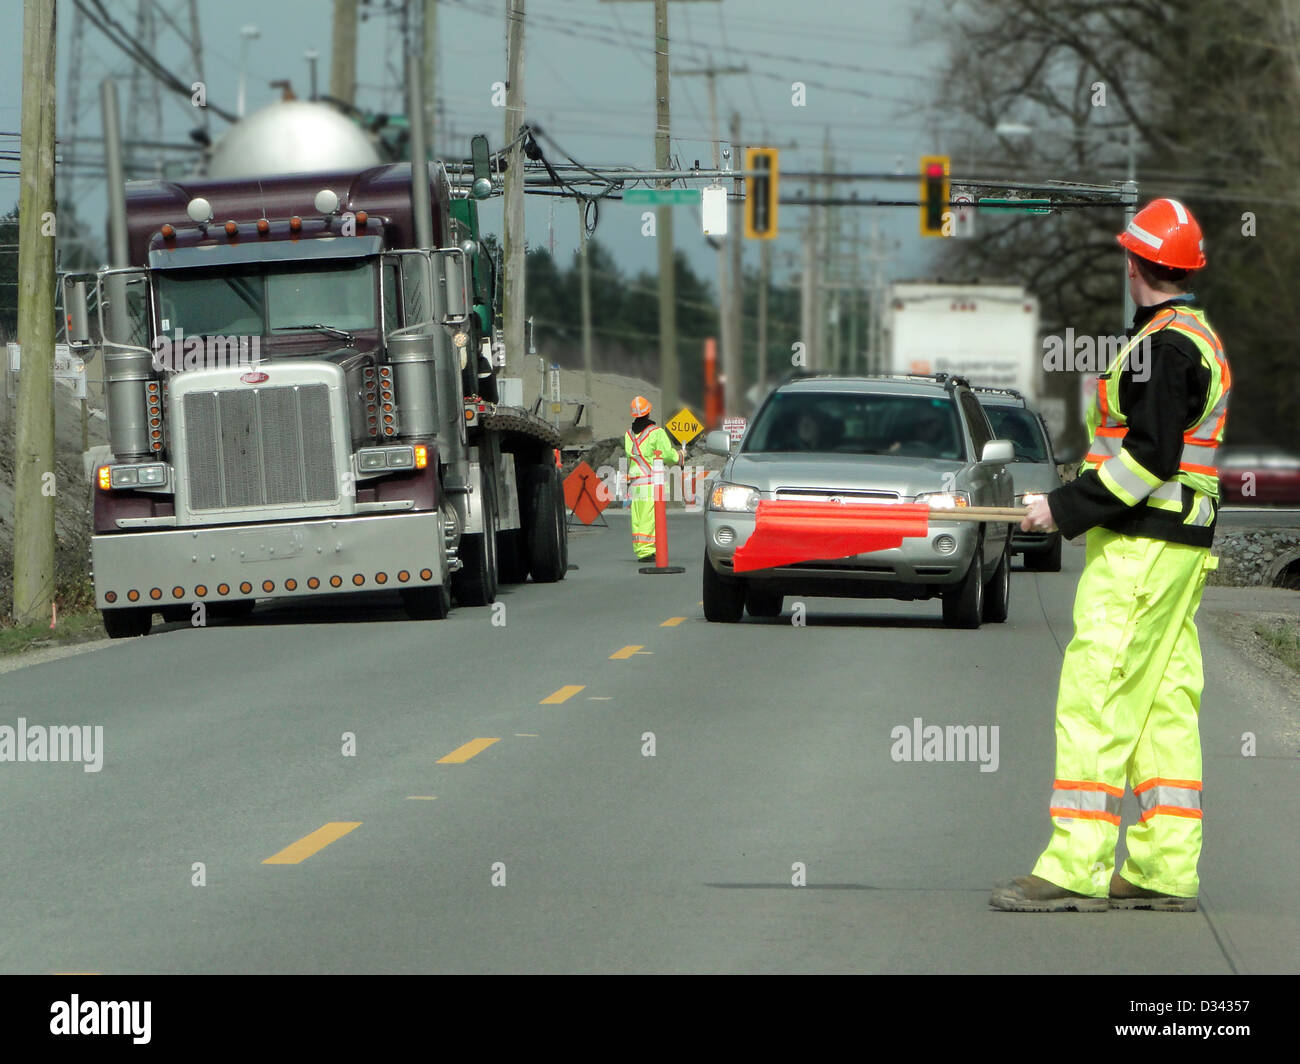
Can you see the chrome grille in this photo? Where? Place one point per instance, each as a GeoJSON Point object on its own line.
{"type": "Point", "coordinates": [827, 494]}
{"type": "Point", "coordinates": [259, 447]}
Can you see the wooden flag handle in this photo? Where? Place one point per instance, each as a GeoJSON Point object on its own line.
{"type": "Point", "coordinates": [980, 513]}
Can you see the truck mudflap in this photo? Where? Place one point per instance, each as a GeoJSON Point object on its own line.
{"type": "Point", "coordinates": [326, 556]}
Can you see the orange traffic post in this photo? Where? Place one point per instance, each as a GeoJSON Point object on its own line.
{"type": "Point", "coordinates": [661, 566]}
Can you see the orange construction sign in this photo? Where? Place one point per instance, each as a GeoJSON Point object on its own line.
{"type": "Point", "coordinates": [581, 494]}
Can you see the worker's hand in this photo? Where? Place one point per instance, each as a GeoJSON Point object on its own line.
{"type": "Point", "coordinates": [1040, 517]}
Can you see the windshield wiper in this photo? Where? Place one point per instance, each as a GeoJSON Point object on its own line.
{"type": "Point", "coordinates": [319, 327]}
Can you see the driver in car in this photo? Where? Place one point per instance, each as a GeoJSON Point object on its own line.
{"type": "Point", "coordinates": [930, 436]}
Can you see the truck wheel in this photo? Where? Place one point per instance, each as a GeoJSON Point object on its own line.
{"type": "Point", "coordinates": [562, 518]}
{"type": "Point", "coordinates": [762, 603]}
{"type": "Point", "coordinates": [545, 528]}
{"type": "Point", "coordinates": [724, 600]}
{"type": "Point", "coordinates": [1048, 561]}
{"type": "Point", "coordinates": [427, 603]}
{"type": "Point", "coordinates": [997, 592]}
{"type": "Point", "coordinates": [964, 604]}
{"type": "Point", "coordinates": [476, 583]}
{"type": "Point", "coordinates": [512, 561]}
{"type": "Point", "coordinates": [127, 623]}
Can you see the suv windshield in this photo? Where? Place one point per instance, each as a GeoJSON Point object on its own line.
{"type": "Point", "coordinates": [262, 300]}
{"type": "Point", "coordinates": [1019, 425]}
{"type": "Point", "coordinates": [909, 426]}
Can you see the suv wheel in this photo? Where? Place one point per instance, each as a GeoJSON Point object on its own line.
{"type": "Point", "coordinates": [997, 593]}
{"type": "Point", "coordinates": [963, 606]}
{"type": "Point", "coordinates": [761, 603]}
{"type": "Point", "coordinates": [724, 600]}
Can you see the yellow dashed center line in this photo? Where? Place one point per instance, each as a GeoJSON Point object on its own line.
{"type": "Point", "coordinates": [463, 753]}
{"type": "Point", "coordinates": [563, 694]}
{"type": "Point", "coordinates": [672, 622]}
{"type": "Point", "coordinates": [297, 852]}
{"type": "Point", "coordinates": [625, 653]}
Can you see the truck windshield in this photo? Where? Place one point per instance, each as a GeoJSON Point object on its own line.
{"type": "Point", "coordinates": [266, 300]}
{"type": "Point", "coordinates": [857, 423]}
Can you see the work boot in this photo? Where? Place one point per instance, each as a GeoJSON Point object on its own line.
{"type": "Point", "coordinates": [1033, 894]}
{"type": "Point", "coordinates": [1125, 895]}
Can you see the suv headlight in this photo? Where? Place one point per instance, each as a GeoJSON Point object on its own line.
{"type": "Point", "coordinates": [944, 500]}
{"type": "Point", "coordinates": [734, 498]}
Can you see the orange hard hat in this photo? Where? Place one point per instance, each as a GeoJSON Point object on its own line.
{"type": "Point", "coordinates": [640, 406]}
{"type": "Point", "coordinates": [1165, 232]}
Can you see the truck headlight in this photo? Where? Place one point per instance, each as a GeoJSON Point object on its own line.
{"type": "Point", "coordinates": [734, 498]}
{"type": "Point", "coordinates": [944, 500]}
{"type": "Point", "coordinates": [1029, 498]}
{"type": "Point", "coordinates": [131, 476]}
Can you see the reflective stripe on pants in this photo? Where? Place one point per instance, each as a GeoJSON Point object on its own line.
{"type": "Point", "coordinates": [643, 520]}
{"type": "Point", "coordinates": [1127, 712]}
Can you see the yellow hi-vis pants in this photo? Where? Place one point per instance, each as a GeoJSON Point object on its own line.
{"type": "Point", "coordinates": [643, 520]}
{"type": "Point", "coordinates": [1127, 711]}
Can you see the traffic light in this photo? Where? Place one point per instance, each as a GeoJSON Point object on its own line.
{"type": "Point", "coordinates": [761, 193]}
{"type": "Point", "coordinates": [935, 194]}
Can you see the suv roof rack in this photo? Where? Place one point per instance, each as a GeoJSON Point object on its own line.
{"type": "Point", "coordinates": [1014, 393]}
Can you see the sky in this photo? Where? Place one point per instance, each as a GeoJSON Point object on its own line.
{"type": "Point", "coordinates": [589, 83]}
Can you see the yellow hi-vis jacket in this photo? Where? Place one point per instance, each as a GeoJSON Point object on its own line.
{"type": "Point", "coordinates": [1122, 475]}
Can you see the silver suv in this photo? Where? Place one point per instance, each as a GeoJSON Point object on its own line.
{"type": "Point", "coordinates": [866, 439]}
{"type": "Point", "coordinates": [1035, 469]}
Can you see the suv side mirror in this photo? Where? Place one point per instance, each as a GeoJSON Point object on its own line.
{"type": "Point", "coordinates": [998, 452]}
{"type": "Point", "coordinates": [718, 442]}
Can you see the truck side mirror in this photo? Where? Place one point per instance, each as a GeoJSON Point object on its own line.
{"type": "Point", "coordinates": [482, 163]}
{"type": "Point", "coordinates": [455, 276]}
{"type": "Point", "coordinates": [76, 312]}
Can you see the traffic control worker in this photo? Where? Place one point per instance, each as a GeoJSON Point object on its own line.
{"type": "Point", "coordinates": [1130, 691]}
{"type": "Point", "coordinates": [643, 439]}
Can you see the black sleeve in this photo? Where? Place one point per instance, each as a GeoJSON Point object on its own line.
{"type": "Point", "coordinates": [1160, 402]}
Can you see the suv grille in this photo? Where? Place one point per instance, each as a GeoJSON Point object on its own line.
{"type": "Point", "coordinates": [259, 447]}
{"type": "Point", "coordinates": [827, 494]}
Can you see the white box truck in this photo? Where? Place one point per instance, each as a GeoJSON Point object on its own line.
{"type": "Point", "coordinates": [988, 333]}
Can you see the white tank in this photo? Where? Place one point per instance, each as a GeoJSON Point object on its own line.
{"type": "Point", "coordinates": [291, 137]}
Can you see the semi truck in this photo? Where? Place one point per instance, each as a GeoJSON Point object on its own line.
{"type": "Point", "coordinates": [987, 333]}
{"type": "Point", "coordinates": [302, 401]}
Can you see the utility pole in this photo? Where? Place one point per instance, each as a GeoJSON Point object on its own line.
{"type": "Point", "coordinates": [431, 76]}
{"type": "Point", "coordinates": [735, 224]}
{"type": "Point", "coordinates": [513, 230]}
{"type": "Point", "coordinates": [585, 263]}
{"type": "Point", "coordinates": [34, 484]}
{"type": "Point", "coordinates": [726, 319]}
{"type": "Point", "coordinates": [807, 293]}
{"type": "Point", "coordinates": [668, 371]}
{"type": "Point", "coordinates": [343, 52]}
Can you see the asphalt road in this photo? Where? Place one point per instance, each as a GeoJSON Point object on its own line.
{"type": "Point", "coordinates": [771, 752]}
